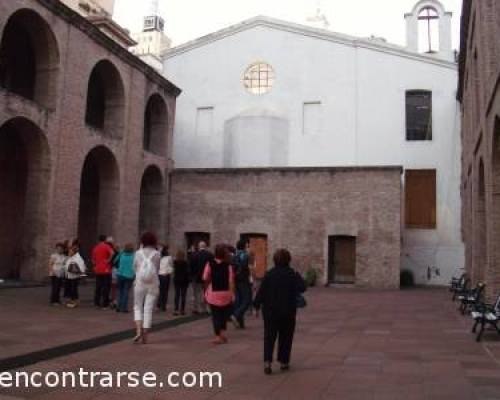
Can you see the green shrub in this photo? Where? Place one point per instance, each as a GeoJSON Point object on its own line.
{"type": "Point", "coordinates": [311, 277]}
{"type": "Point", "coordinates": [406, 278]}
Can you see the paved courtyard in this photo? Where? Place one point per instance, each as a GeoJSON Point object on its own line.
{"type": "Point", "coordinates": [350, 344]}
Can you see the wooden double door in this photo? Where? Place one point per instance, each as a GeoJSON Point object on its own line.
{"type": "Point", "coordinates": [258, 252]}
{"type": "Point", "coordinates": [342, 259]}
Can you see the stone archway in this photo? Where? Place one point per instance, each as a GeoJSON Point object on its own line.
{"type": "Point", "coordinates": [152, 201]}
{"type": "Point", "coordinates": [156, 126]}
{"type": "Point", "coordinates": [105, 100]}
{"type": "Point", "coordinates": [25, 180]}
{"type": "Point", "coordinates": [99, 197]}
{"type": "Point", "coordinates": [29, 58]}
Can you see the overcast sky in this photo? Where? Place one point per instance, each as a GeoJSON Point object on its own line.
{"type": "Point", "coordinates": [189, 19]}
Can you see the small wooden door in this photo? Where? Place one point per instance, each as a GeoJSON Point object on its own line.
{"type": "Point", "coordinates": [193, 238]}
{"type": "Point", "coordinates": [341, 259]}
{"type": "Point", "coordinates": [258, 251]}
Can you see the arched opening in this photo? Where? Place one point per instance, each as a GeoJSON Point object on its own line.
{"type": "Point", "coordinates": [151, 201]}
{"type": "Point", "coordinates": [495, 203]}
{"type": "Point", "coordinates": [25, 179]}
{"type": "Point", "coordinates": [99, 197]}
{"type": "Point", "coordinates": [156, 125]}
{"type": "Point", "coordinates": [29, 58]}
{"type": "Point", "coordinates": [105, 100]}
{"type": "Point", "coordinates": [428, 30]}
{"type": "Point", "coordinates": [480, 227]}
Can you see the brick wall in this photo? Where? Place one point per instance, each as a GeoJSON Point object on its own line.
{"type": "Point", "coordinates": [480, 97]}
{"type": "Point", "coordinates": [297, 209]}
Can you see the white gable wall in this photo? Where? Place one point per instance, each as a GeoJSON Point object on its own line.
{"type": "Point", "coordinates": [362, 95]}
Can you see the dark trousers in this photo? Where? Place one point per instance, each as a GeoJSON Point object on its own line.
{"type": "Point", "coordinates": [56, 285]}
{"type": "Point", "coordinates": [243, 301]}
{"type": "Point", "coordinates": [163, 297]}
{"type": "Point", "coordinates": [180, 296]}
{"type": "Point", "coordinates": [65, 284]}
{"type": "Point", "coordinates": [102, 289]}
{"type": "Point", "coordinates": [220, 315]}
{"type": "Point", "coordinates": [124, 285]}
{"type": "Point", "coordinates": [281, 328]}
{"type": "Point", "coordinates": [72, 288]}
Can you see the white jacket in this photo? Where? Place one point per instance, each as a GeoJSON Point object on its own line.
{"type": "Point", "coordinates": [166, 266]}
{"type": "Point", "coordinates": [140, 256]}
{"type": "Point", "coordinates": [78, 260]}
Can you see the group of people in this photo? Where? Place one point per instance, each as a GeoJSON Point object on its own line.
{"type": "Point", "coordinates": [66, 267]}
{"type": "Point", "coordinates": [222, 283]}
{"type": "Point", "coordinates": [114, 271]}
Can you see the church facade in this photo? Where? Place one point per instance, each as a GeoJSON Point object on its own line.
{"type": "Point", "coordinates": [272, 94]}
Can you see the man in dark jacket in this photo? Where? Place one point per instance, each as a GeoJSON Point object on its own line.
{"type": "Point", "coordinates": [198, 261]}
{"type": "Point", "coordinates": [243, 286]}
{"type": "Point", "coordinates": [278, 296]}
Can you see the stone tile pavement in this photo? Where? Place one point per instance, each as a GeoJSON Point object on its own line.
{"type": "Point", "coordinates": [30, 324]}
{"type": "Point", "coordinates": [350, 344]}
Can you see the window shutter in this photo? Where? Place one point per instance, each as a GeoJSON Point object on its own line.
{"type": "Point", "coordinates": [420, 199]}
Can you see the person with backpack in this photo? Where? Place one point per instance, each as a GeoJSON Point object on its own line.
{"type": "Point", "coordinates": [279, 296]}
{"type": "Point", "coordinates": [146, 288]}
{"type": "Point", "coordinates": [243, 285]}
{"type": "Point", "coordinates": [218, 276]}
{"type": "Point", "coordinates": [125, 276]}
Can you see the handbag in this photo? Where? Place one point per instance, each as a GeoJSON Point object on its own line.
{"type": "Point", "coordinates": [301, 301]}
{"type": "Point", "coordinates": [73, 268]}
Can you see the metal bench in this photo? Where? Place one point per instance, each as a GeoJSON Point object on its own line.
{"type": "Point", "coordinates": [486, 314]}
{"type": "Point", "coordinates": [469, 299]}
{"type": "Point", "coordinates": [459, 285]}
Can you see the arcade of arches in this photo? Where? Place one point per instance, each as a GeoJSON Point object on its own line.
{"type": "Point", "coordinates": [71, 162]}
{"type": "Point", "coordinates": [480, 124]}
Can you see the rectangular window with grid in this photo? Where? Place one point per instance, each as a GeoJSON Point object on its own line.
{"type": "Point", "coordinates": [420, 198]}
{"type": "Point", "coordinates": [418, 115]}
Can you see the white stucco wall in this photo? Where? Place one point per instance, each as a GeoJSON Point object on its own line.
{"type": "Point", "coordinates": [362, 95]}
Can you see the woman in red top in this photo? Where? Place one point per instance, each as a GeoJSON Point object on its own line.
{"type": "Point", "coordinates": [219, 279]}
{"type": "Point", "coordinates": [102, 255]}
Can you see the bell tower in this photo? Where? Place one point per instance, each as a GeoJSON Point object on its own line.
{"type": "Point", "coordinates": [428, 30]}
{"type": "Point", "coordinates": [153, 20]}
{"type": "Point", "coordinates": [152, 42]}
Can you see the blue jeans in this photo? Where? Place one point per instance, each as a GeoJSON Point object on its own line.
{"type": "Point", "coordinates": [242, 301]}
{"type": "Point", "coordinates": [124, 285]}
